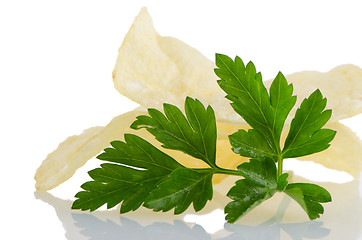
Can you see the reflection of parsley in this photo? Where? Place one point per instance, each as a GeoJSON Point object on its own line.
{"type": "Point", "coordinates": [140, 174]}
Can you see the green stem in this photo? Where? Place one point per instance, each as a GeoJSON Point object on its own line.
{"type": "Point", "coordinates": [220, 171]}
{"type": "Point", "coordinates": [280, 166]}
{"type": "Point", "coordinates": [227, 171]}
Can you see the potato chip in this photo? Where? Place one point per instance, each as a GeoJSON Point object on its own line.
{"type": "Point", "coordinates": [148, 65]}
{"type": "Point", "coordinates": [75, 151]}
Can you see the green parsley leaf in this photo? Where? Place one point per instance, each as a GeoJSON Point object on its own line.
{"type": "Point", "coordinates": [260, 183]}
{"type": "Point", "coordinates": [250, 99]}
{"type": "Point", "coordinates": [181, 188]}
{"type": "Point", "coordinates": [194, 134]}
{"type": "Point", "coordinates": [144, 175]}
{"type": "Point", "coordinates": [305, 135]}
{"type": "Point", "coordinates": [142, 167]}
{"type": "Point", "coordinates": [308, 196]}
{"type": "Point", "coordinates": [282, 182]}
{"type": "Point", "coordinates": [137, 152]}
{"type": "Point", "coordinates": [251, 144]}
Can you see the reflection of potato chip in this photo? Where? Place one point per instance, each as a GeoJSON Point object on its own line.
{"type": "Point", "coordinates": [75, 151]}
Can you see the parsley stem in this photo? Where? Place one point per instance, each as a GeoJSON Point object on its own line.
{"type": "Point", "coordinates": [280, 166]}
{"type": "Point", "coordinates": [220, 171]}
{"type": "Point", "coordinates": [227, 171]}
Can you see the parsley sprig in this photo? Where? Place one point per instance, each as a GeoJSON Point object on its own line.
{"type": "Point", "coordinates": [138, 174]}
{"type": "Point", "coordinates": [266, 114]}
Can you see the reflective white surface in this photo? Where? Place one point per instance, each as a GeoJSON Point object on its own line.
{"type": "Point", "coordinates": [56, 62]}
{"type": "Point", "coordinates": [278, 218]}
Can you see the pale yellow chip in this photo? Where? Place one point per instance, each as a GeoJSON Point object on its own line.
{"type": "Point", "coordinates": [75, 151]}
{"type": "Point", "coordinates": [152, 70]}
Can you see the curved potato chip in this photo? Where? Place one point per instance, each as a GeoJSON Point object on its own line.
{"type": "Point", "coordinates": [75, 151]}
{"type": "Point", "coordinates": [149, 64]}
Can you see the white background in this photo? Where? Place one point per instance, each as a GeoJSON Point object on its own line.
{"type": "Point", "coordinates": [56, 60]}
